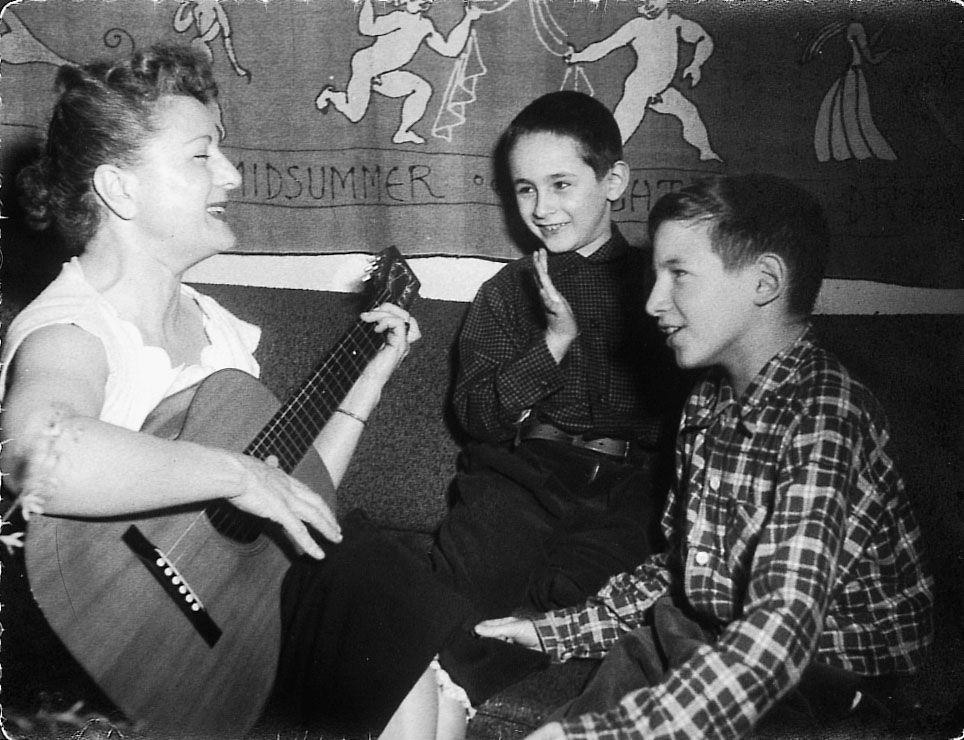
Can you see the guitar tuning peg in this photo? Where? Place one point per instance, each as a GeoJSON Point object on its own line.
{"type": "Point", "coordinates": [374, 262]}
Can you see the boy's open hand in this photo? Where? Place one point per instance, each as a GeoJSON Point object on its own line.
{"type": "Point", "coordinates": [561, 326]}
{"type": "Point", "coordinates": [519, 630]}
{"type": "Point", "coordinates": [551, 731]}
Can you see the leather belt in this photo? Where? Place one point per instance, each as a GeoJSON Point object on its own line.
{"type": "Point", "coordinates": [604, 445]}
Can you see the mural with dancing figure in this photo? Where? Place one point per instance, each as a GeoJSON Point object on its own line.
{"type": "Point", "coordinates": [379, 67]}
{"type": "Point", "coordinates": [211, 21]}
{"type": "Point", "coordinates": [654, 36]}
{"type": "Point", "coordinates": [359, 124]}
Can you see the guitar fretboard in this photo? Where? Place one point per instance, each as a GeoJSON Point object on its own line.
{"type": "Point", "coordinates": [293, 429]}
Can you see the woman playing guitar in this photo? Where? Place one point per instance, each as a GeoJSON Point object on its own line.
{"type": "Point", "coordinates": [134, 180]}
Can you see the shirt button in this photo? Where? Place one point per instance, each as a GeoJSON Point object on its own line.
{"type": "Point", "coordinates": [715, 483]}
{"type": "Point", "coordinates": [702, 558]}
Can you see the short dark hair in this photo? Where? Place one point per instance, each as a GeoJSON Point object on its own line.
{"type": "Point", "coordinates": [104, 113]}
{"type": "Point", "coordinates": [575, 115]}
{"type": "Point", "coordinates": [753, 214]}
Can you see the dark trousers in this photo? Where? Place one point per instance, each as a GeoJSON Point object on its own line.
{"type": "Point", "coordinates": [545, 525]}
{"type": "Point", "coordinates": [644, 656]}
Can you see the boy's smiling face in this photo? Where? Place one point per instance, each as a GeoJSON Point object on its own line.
{"type": "Point", "coordinates": [705, 310]}
{"type": "Point", "coordinates": [559, 196]}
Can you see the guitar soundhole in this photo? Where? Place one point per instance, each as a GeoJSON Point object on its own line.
{"type": "Point", "coordinates": [233, 523]}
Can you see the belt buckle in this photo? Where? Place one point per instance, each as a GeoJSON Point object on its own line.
{"type": "Point", "coordinates": [520, 424]}
{"type": "Point", "coordinates": [624, 455]}
{"type": "Point", "coordinates": [600, 447]}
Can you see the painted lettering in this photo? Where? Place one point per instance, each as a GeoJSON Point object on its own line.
{"type": "Point", "coordinates": [310, 184]}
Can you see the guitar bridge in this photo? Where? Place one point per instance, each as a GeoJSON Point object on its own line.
{"type": "Point", "coordinates": [173, 583]}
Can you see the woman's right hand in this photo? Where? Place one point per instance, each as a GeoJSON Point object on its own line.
{"type": "Point", "coordinates": [519, 630]}
{"type": "Point", "coordinates": [269, 492]}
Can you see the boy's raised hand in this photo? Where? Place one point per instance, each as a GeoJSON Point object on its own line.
{"type": "Point", "coordinates": [561, 326]}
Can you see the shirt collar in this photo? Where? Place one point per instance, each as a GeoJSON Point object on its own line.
{"type": "Point", "coordinates": [714, 395]}
{"type": "Point", "coordinates": [615, 248]}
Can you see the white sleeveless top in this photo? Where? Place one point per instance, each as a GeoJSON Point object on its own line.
{"type": "Point", "coordinates": [140, 376]}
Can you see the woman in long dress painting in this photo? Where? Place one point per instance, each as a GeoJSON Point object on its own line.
{"type": "Point", "coordinates": [845, 126]}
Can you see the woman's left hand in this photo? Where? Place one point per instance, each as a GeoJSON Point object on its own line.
{"type": "Point", "coordinates": [399, 328]}
{"type": "Point", "coordinates": [337, 440]}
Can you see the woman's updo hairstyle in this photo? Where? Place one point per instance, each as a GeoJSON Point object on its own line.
{"type": "Point", "coordinates": [104, 114]}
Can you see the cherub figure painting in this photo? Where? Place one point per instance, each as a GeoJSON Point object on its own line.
{"type": "Point", "coordinates": [655, 36]}
{"type": "Point", "coordinates": [211, 21]}
{"type": "Point", "coordinates": [379, 67]}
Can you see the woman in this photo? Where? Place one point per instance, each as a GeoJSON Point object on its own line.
{"type": "Point", "coordinates": [845, 127]}
{"type": "Point", "coordinates": [134, 180]}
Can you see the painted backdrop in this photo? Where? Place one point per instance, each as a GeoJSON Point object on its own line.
{"type": "Point", "coordinates": [362, 123]}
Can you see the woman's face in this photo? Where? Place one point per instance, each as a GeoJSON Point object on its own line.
{"type": "Point", "coordinates": [183, 179]}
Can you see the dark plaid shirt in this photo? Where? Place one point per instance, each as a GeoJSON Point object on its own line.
{"type": "Point", "coordinates": [615, 379]}
{"type": "Point", "coordinates": [792, 537]}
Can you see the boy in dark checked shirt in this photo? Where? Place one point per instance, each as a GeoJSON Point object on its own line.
{"type": "Point", "coordinates": [793, 576]}
{"type": "Point", "coordinates": [563, 383]}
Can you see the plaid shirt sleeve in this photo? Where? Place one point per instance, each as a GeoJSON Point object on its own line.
{"type": "Point", "coordinates": [501, 374]}
{"type": "Point", "coordinates": [588, 631]}
{"type": "Point", "coordinates": [726, 687]}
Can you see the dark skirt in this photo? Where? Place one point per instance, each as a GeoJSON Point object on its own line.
{"type": "Point", "coordinates": [359, 628]}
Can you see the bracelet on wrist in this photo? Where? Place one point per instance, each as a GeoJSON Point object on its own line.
{"type": "Point", "coordinates": [354, 416]}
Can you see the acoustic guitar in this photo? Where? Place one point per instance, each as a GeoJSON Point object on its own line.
{"type": "Point", "coordinates": [175, 613]}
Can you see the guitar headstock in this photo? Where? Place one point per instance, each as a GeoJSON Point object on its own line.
{"type": "Point", "coordinates": [391, 280]}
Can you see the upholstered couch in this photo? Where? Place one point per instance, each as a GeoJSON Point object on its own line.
{"type": "Point", "coordinates": [403, 468]}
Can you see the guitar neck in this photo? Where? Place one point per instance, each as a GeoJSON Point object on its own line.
{"type": "Point", "coordinates": [293, 429]}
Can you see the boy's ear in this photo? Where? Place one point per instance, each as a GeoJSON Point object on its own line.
{"type": "Point", "coordinates": [772, 278]}
{"type": "Point", "coordinates": [116, 189]}
{"type": "Point", "coordinates": [618, 181]}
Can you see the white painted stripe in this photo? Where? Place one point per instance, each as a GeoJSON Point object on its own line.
{"type": "Point", "coordinates": [866, 297]}
{"type": "Point", "coordinates": [442, 278]}
{"type": "Point", "coordinates": [458, 279]}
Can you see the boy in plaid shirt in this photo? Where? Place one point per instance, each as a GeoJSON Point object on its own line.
{"type": "Point", "coordinates": [794, 577]}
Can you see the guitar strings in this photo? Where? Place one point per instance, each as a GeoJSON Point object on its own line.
{"type": "Point", "coordinates": [282, 421]}
{"type": "Point", "coordinates": [286, 436]}
{"type": "Point", "coordinates": [275, 440]}
{"type": "Point", "coordinates": [231, 522]}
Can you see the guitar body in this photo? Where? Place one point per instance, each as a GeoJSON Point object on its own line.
{"type": "Point", "coordinates": [208, 670]}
